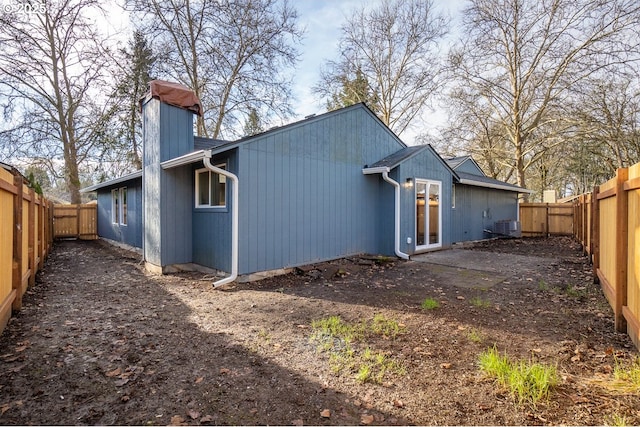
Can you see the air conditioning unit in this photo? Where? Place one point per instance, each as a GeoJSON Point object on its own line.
{"type": "Point", "coordinates": [507, 227]}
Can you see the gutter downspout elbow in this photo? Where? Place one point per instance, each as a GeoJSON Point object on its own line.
{"type": "Point", "coordinates": [234, 219]}
{"type": "Point", "coordinates": [396, 185]}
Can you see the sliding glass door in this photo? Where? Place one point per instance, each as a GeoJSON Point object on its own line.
{"type": "Point", "coordinates": [428, 214]}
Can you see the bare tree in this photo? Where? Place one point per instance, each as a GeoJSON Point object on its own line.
{"type": "Point", "coordinates": [51, 70]}
{"type": "Point", "coordinates": [395, 46]}
{"type": "Point", "coordinates": [234, 54]}
{"type": "Point", "coordinates": [522, 58]}
{"type": "Point", "coordinates": [607, 119]}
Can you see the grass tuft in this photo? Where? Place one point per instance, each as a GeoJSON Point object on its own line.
{"type": "Point", "coordinates": [527, 382]}
{"type": "Point", "coordinates": [628, 375]}
{"type": "Point", "coordinates": [340, 339]}
{"type": "Point", "coordinates": [430, 304]}
{"type": "Point", "coordinates": [480, 303]}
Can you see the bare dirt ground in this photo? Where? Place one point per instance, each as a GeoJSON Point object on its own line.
{"type": "Point", "coordinates": [99, 341]}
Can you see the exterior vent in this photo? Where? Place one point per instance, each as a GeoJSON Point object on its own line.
{"type": "Point", "coordinates": [507, 228]}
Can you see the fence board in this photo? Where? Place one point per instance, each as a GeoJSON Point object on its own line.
{"type": "Point", "coordinates": [632, 310]}
{"type": "Point", "coordinates": [7, 294]}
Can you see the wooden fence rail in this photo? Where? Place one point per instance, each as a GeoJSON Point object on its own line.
{"type": "Point", "coordinates": [26, 237]}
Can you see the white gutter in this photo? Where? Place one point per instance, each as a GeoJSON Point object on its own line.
{"type": "Point", "coordinates": [234, 221]}
{"type": "Point", "coordinates": [186, 159]}
{"type": "Point", "coordinates": [399, 253]}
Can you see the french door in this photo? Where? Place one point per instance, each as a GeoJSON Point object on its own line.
{"type": "Point", "coordinates": [428, 214]}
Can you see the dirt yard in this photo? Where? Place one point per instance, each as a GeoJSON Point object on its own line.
{"type": "Point", "coordinates": [99, 341]}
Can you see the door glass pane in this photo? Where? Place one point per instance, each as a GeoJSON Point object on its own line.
{"type": "Point", "coordinates": [434, 213]}
{"type": "Point", "coordinates": [421, 190]}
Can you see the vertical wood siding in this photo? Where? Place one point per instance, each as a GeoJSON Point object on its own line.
{"type": "Point", "coordinates": [130, 234]}
{"type": "Point", "coordinates": [168, 133]}
{"type": "Point", "coordinates": [468, 220]}
{"type": "Point", "coordinates": [211, 234]}
{"type": "Point", "coordinates": [303, 195]}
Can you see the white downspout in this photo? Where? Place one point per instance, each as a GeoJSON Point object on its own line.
{"type": "Point", "coordinates": [399, 253]}
{"type": "Point", "coordinates": [234, 220]}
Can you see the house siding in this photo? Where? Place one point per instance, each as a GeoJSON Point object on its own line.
{"type": "Point", "coordinates": [306, 197]}
{"type": "Point", "coordinates": [211, 234]}
{"type": "Point", "coordinates": [168, 133]}
{"type": "Point", "coordinates": [131, 233]}
{"type": "Point", "coordinates": [469, 166]}
{"type": "Point", "coordinates": [478, 208]}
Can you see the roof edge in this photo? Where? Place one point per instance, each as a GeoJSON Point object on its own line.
{"type": "Point", "coordinates": [496, 186]}
{"type": "Point", "coordinates": [129, 177]}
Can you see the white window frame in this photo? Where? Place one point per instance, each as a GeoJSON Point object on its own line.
{"type": "Point", "coordinates": [211, 174]}
{"type": "Point", "coordinates": [123, 206]}
{"type": "Point", "coordinates": [453, 196]}
{"type": "Point", "coordinates": [115, 206]}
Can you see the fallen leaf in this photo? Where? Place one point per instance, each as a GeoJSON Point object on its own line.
{"type": "Point", "coordinates": [21, 348]}
{"type": "Point", "coordinates": [199, 380]}
{"type": "Point", "coordinates": [125, 398]}
{"type": "Point", "coordinates": [575, 358]}
{"type": "Point", "coordinates": [120, 383]}
{"type": "Point", "coordinates": [460, 297]}
{"type": "Point", "coordinates": [224, 371]}
{"type": "Point", "coordinates": [193, 414]}
{"type": "Point", "coordinates": [297, 422]}
{"type": "Point", "coordinates": [114, 373]}
{"type": "Point", "coordinates": [326, 413]}
{"type": "Point", "coordinates": [4, 408]}
{"type": "Point", "coordinates": [177, 420]}
{"type": "Point", "coordinates": [398, 403]}
{"type": "Point", "coordinates": [537, 350]}
{"type": "Point", "coordinates": [206, 419]}
{"type": "Point", "coordinates": [445, 365]}
{"type": "Point", "coordinates": [367, 419]}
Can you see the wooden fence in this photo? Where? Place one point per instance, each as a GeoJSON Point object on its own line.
{"type": "Point", "coordinates": [26, 237]}
{"type": "Point", "coordinates": [75, 221]}
{"type": "Point", "coordinates": [607, 223]}
{"type": "Point", "coordinates": [615, 247]}
{"type": "Point", "coordinates": [546, 219]}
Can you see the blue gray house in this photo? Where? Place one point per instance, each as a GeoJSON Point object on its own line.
{"type": "Point", "coordinates": [326, 187]}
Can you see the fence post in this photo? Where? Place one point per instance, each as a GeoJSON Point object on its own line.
{"type": "Point", "coordinates": [17, 243]}
{"type": "Point", "coordinates": [622, 248]}
{"type": "Point", "coordinates": [40, 235]}
{"type": "Point", "coordinates": [32, 237]}
{"type": "Point", "coordinates": [595, 233]}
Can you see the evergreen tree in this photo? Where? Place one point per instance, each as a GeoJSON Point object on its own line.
{"type": "Point", "coordinates": [253, 124]}
{"type": "Point", "coordinates": [353, 91]}
{"type": "Point", "coordinates": [132, 87]}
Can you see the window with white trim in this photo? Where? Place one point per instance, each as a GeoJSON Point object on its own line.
{"type": "Point", "coordinates": [119, 206]}
{"type": "Point", "coordinates": [115, 206]}
{"type": "Point", "coordinates": [123, 206]}
{"type": "Point", "coordinates": [453, 196]}
{"type": "Point", "coordinates": [211, 188]}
